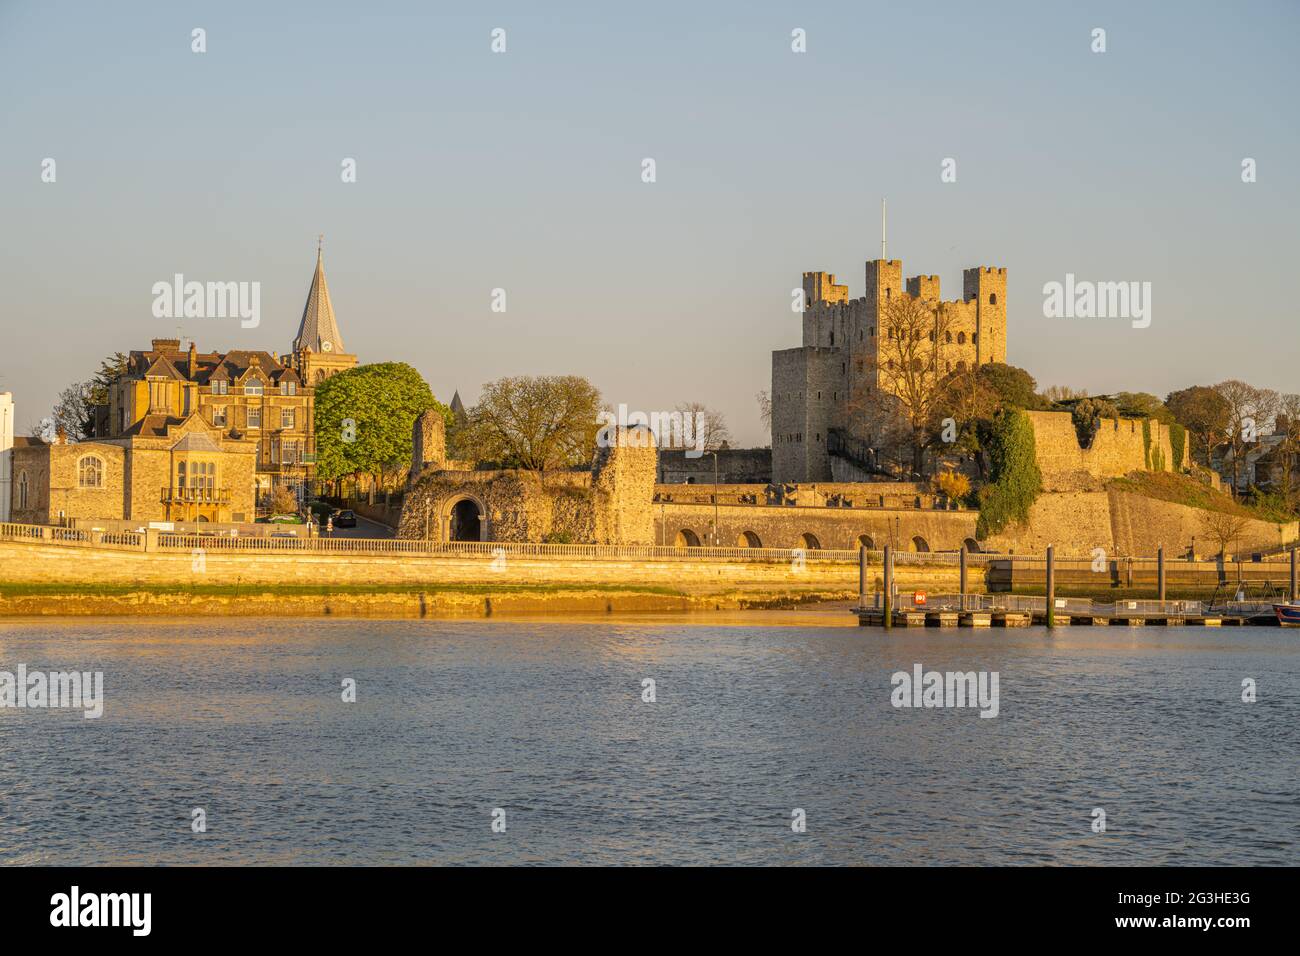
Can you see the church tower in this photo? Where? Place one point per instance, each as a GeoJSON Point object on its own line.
{"type": "Point", "coordinates": [318, 350]}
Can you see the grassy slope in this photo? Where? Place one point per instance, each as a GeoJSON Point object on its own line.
{"type": "Point", "coordinates": [1186, 490]}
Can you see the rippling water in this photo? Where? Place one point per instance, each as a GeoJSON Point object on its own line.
{"type": "Point", "coordinates": [244, 718]}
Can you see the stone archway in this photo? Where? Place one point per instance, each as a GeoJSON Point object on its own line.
{"type": "Point", "coordinates": [865, 541]}
{"type": "Point", "coordinates": [465, 519]}
{"type": "Point", "coordinates": [920, 544]}
{"type": "Point", "coordinates": [686, 538]}
{"type": "Point", "coordinates": [972, 546]}
{"type": "Point", "coordinates": [810, 542]}
{"type": "Point", "coordinates": [748, 539]}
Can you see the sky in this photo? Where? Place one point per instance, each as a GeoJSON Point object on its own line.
{"type": "Point", "coordinates": [523, 171]}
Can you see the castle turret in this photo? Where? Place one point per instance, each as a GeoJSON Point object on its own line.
{"type": "Point", "coordinates": [987, 287]}
{"type": "Point", "coordinates": [884, 281]}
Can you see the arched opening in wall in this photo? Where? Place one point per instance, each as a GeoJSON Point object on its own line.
{"type": "Point", "coordinates": [993, 298]}
{"type": "Point", "coordinates": [686, 538]}
{"type": "Point", "coordinates": [466, 521]}
{"type": "Point", "coordinates": [919, 544]}
{"type": "Point", "coordinates": [961, 338]}
{"type": "Point", "coordinates": [972, 546]}
{"type": "Point", "coordinates": [809, 541]}
{"type": "Point", "coordinates": [864, 541]}
{"type": "Point", "coordinates": [202, 519]}
{"type": "Point", "coordinates": [748, 539]}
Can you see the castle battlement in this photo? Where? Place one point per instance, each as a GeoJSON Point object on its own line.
{"type": "Point", "coordinates": [818, 386]}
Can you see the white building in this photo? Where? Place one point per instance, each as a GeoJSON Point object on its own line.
{"type": "Point", "coordinates": [6, 452]}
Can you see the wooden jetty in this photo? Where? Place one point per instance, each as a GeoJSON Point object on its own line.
{"type": "Point", "coordinates": [885, 609]}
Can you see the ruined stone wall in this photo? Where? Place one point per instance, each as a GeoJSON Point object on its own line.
{"type": "Point", "coordinates": [735, 466]}
{"type": "Point", "coordinates": [611, 504]}
{"type": "Point", "coordinates": [1118, 448]}
{"type": "Point", "coordinates": [623, 486]}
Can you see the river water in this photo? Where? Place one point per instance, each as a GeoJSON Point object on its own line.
{"type": "Point", "coordinates": [755, 716]}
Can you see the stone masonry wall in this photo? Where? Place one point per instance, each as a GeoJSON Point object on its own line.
{"type": "Point", "coordinates": [1117, 449]}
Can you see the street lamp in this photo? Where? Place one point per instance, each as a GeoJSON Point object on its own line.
{"type": "Point", "coordinates": [715, 498]}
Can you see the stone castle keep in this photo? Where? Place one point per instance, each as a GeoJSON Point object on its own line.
{"type": "Point", "coordinates": [821, 388]}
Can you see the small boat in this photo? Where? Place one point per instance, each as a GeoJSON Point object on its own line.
{"type": "Point", "coordinates": [1288, 615]}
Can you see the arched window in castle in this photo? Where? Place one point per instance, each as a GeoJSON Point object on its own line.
{"type": "Point", "coordinates": [974, 337]}
{"type": "Point", "coordinates": [993, 298]}
{"type": "Point", "coordinates": [932, 336]}
{"type": "Point", "coordinates": [947, 337]}
{"type": "Point", "coordinates": [961, 338]}
{"type": "Point", "coordinates": [22, 489]}
{"type": "Point", "coordinates": [90, 472]}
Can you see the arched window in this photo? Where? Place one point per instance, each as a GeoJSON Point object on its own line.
{"type": "Point", "coordinates": [90, 472]}
{"type": "Point", "coordinates": [947, 337]}
{"type": "Point", "coordinates": [993, 298]}
{"type": "Point", "coordinates": [22, 489]}
{"type": "Point", "coordinates": [961, 338]}
{"type": "Point", "coordinates": [932, 336]}
{"type": "Point", "coordinates": [253, 386]}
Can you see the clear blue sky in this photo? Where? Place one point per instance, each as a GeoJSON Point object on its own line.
{"type": "Point", "coordinates": [522, 171]}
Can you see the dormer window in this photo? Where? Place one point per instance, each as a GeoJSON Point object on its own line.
{"type": "Point", "coordinates": [221, 387]}
{"type": "Point", "coordinates": [288, 388]}
{"type": "Point", "coordinates": [253, 386]}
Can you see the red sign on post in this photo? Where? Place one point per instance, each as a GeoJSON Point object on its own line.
{"type": "Point", "coordinates": [918, 597]}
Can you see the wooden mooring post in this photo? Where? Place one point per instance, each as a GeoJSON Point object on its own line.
{"type": "Point", "coordinates": [889, 587]}
{"type": "Point", "coordinates": [862, 576]}
{"type": "Point", "coordinates": [1051, 587]}
{"type": "Point", "coordinates": [1295, 578]}
{"type": "Point", "coordinates": [1160, 572]}
{"type": "Point", "coordinates": [961, 564]}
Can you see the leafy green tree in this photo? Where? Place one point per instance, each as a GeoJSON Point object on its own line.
{"type": "Point", "coordinates": [74, 411]}
{"type": "Point", "coordinates": [1087, 414]}
{"type": "Point", "coordinates": [1017, 479]}
{"type": "Point", "coordinates": [533, 422]}
{"type": "Point", "coordinates": [1204, 413]}
{"type": "Point", "coordinates": [1143, 405]}
{"type": "Point", "coordinates": [364, 418]}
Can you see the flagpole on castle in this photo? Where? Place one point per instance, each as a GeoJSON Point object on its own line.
{"type": "Point", "coordinates": [882, 230]}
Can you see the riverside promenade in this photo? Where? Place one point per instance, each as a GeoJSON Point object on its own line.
{"type": "Point", "coordinates": [50, 570]}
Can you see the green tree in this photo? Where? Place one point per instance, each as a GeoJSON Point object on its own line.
{"type": "Point", "coordinates": [1087, 414]}
{"type": "Point", "coordinates": [74, 411]}
{"type": "Point", "coordinates": [533, 422]}
{"type": "Point", "coordinates": [1143, 405]}
{"type": "Point", "coordinates": [364, 418]}
{"type": "Point", "coordinates": [1017, 479]}
{"type": "Point", "coordinates": [1204, 413]}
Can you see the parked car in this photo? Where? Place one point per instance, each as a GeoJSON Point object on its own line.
{"type": "Point", "coordinates": [345, 519]}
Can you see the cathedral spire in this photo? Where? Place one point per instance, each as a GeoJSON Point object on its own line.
{"type": "Point", "coordinates": [318, 330]}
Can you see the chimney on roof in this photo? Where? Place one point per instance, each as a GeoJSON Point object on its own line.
{"type": "Point", "coordinates": [166, 345]}
{"type": "Point", "coordinates": [191, 372]}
